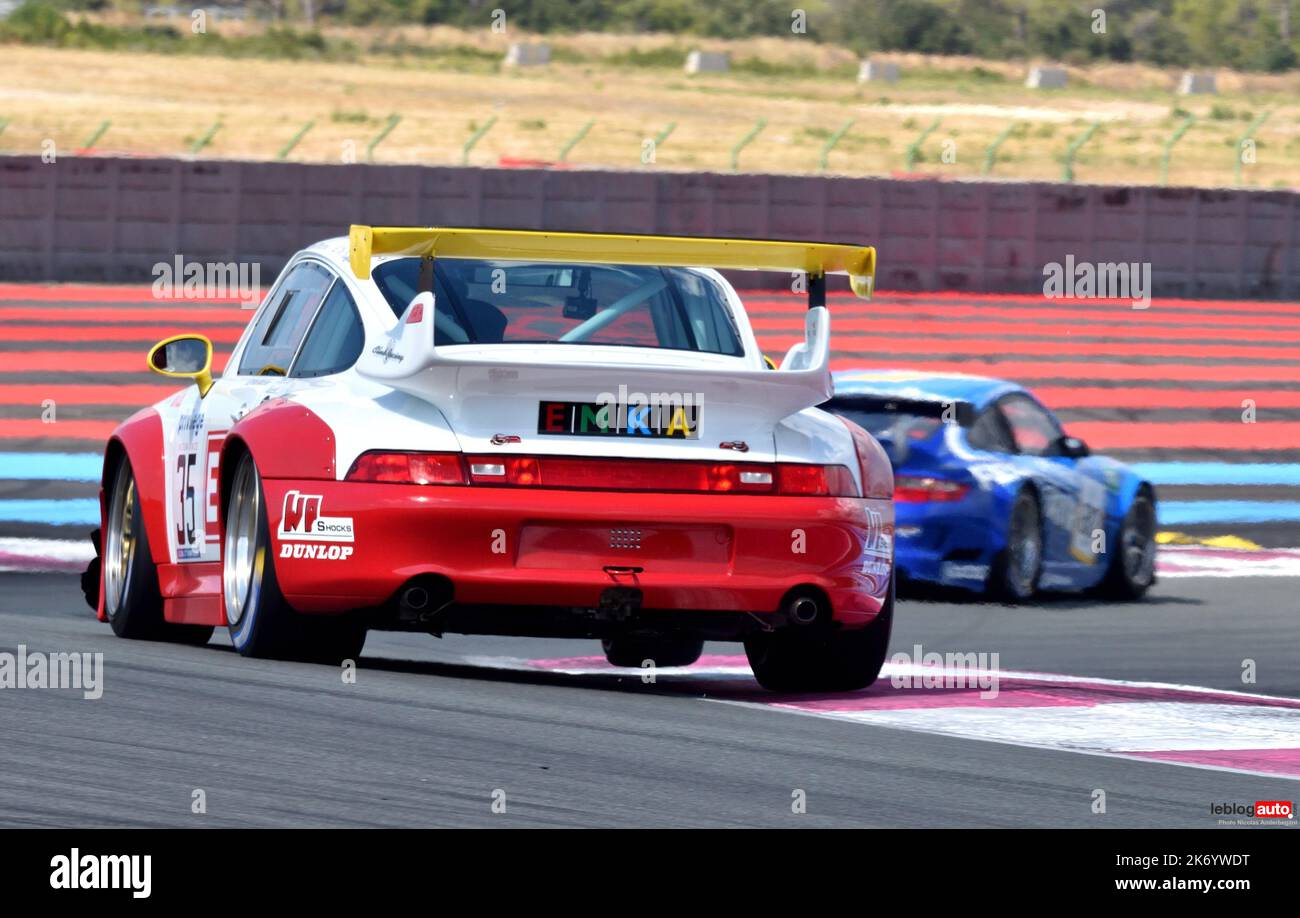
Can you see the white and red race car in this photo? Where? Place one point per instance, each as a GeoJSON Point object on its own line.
{"type": "Point", "coordinates": [493, 432]}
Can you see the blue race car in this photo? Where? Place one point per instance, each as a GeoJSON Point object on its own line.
{"type": "Point", "coordinates": [992, 495]}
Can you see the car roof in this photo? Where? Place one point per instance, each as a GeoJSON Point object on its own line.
{"type": "Point", "coordinates": [334, 250]}
{"type": "Point", "coordinates": [978, 391]}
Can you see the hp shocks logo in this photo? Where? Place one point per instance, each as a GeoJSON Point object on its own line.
{"type": "Point", "coordinates": [302, 521]}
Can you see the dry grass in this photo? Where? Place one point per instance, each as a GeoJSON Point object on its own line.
{"type": "Point", "coordinates": [160, 104]}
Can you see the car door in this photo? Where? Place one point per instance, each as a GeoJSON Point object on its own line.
{"type": "Point", "coordinates": [1070, 504]}
{"type": "Point", "coordinates": [260, 371]}
{"type": "Point", "coordinates": [1098, 485]}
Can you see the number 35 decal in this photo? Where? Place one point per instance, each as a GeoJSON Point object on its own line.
{"type": "Point", "coordinates": [189, 530]}
{"type": "Point", "coordinates": [195, 483]}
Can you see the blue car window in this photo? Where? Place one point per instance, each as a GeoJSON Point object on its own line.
{"type": "Point", "coordinates": [990, 433]}
{"type": "Point", "coordinates": [1035, 431]}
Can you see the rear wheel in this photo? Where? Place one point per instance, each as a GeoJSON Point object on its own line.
{"type": "Point", "coordinates": [1015, 575]}
{"type": "Point", "coordinates": [627, 650]}
{"type": "Point", "coordinates": [1133, 565]}
{"type": "Point", "coordinates": [93, 575]}
{"type": "Point", "coordinates": [791, 659]}
{"type": "Point", "coordinates": [261, 622]}
{"type": "Point", "coordinates": [132, 600]}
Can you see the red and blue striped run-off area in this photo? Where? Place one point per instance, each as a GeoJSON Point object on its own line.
{"type": "Point", "coordinates": [1202, 395]}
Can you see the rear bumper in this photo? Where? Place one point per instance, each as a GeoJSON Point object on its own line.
{"type": "Point", "coordinates": [538, 547]}
{"type": "Point", "coordinates": [950, 544]}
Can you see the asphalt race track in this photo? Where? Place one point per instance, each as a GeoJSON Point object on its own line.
{"type": "Point", "coordinates": [432, 729]}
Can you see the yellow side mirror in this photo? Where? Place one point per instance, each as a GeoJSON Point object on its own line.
{"type": "Point", "coordinates": [184, 357]}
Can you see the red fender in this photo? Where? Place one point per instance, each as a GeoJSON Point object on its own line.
{"type": "Point", "coordinates": [286, 440]}
{"type": "Point", "coordinates": [140, 437]}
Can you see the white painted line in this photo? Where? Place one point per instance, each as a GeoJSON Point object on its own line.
{"type": "Point", "coordinates": [1153, 722]}
{"type": "Point", "coordinates": [52, 549]}
{"type": "Point", "coordinates": [1177, 561]}
{"type": "Point", "coordinates": [1146, 726]}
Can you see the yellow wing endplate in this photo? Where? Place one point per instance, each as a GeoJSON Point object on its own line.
{"type": "Point", "coordinates": [814, 258]}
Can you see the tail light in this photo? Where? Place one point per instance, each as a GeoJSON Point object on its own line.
{"type": "Point", "coordinates": [909, 489]}
{"type": "Point", "coordinates": [409, 468]}
{"type": "Point", "coordinates": [817, 480]}
{"type": "Point", "coordinates": [516, 471]}
{"type": "Point", "coordinates": [573, 473]}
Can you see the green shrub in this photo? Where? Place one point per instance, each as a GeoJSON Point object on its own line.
{"type": "Point", "coordinates": [1243, 34]}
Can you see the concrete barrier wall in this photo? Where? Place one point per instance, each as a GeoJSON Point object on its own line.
{"type": "Point", "coordinates": [102, 219]}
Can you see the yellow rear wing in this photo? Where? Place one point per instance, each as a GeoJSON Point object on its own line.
{"type": "Point", "coordinates": [814, 258]}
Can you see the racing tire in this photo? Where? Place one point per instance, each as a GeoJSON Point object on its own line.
{"type": "Point", "coordinates": [94, 573]}
{"type": "Point", "coordinates": [1132, 568]}
{"type": "Point", "coordinates": [1014, 578]}
{"type": "Point", "coordinates": [796, 660]}
{"type": "Point", "coordinates": [261, 622]}
{"type": "Point", "coordinates": [132, 598]}
{"type": "Point", "coordinates": [630, 651]}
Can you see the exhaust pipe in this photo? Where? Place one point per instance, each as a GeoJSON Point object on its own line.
{"type": "Point", "coordinates": [414, 599]}
{"type": "Point", "coordinates": [803, 610]}
{"type": "Point", "coordinates": [422, 599]}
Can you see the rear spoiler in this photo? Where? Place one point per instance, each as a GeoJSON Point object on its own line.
{"type": "Point", "coordinates": [961, 411]}
{"type": "Point", "coordinates": [817, 259]}
{"type": "Point", "coordinates": [407, 359]}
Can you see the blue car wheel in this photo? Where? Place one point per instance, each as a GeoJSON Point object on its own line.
{"type": "Point", "coordinates": [1014, 577]}
{"type": "Point", "coordinates": [1133, 564]}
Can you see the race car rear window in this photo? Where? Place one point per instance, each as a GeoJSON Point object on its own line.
{"type": "Point", "coordinates": [487, 302]}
